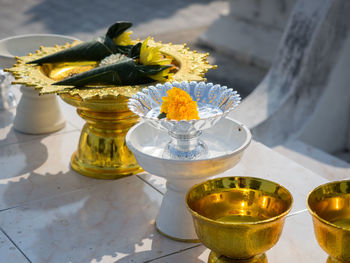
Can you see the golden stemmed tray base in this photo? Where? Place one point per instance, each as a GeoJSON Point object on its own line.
{"type": "Point", "coordinates": [333, 260]}
{"type": "Point", "coordinates": [216, 258]}
{"type": "Point", "coordinates": [102, 152]}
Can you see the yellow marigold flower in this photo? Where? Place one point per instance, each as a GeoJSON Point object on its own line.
{"type": "Point", "coordinates": [178, 105]}
{"type": "Point", "coordinates": [153, 56]}
{"type": "Point", "coordinates": [124, 39]}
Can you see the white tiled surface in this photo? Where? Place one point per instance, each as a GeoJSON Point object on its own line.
{"type": "Point", "coordinates": [50, 213]}
{"type": "Point", "coordinates": [319, 162]}
{"type": "Point", "coordinates": [8, 251]}
{"type": "Point", "coordinates": [38, 169]}
{"type": "Point", "coordinates": [104, 222]}
{"type": "Point", "coordinates": [297, 243]}
{"type": "Point", "coordinates": [260, 161]}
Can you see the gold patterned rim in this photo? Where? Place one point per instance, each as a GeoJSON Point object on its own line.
{"type": "Point", "coordinates": [192, 67]}
{"type": "Point", "coordinates": [314, 213]}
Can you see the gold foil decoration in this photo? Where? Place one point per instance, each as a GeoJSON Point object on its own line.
{"type": "Point", "coordinates": [192, 66]}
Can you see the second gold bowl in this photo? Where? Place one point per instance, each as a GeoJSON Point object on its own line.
{"type": "Point", "coordinates": [238, 218]}
{"type": "Point", "coordinates": [329, 205]}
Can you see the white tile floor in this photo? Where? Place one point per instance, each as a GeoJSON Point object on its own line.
{"type": "Point", "coordinates": [49, 213]}
{"type": "Point", "coordinates": [9, 252]}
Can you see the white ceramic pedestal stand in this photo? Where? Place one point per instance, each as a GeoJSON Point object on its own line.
{"type": "Point", "coordinates": [38, 114]}
{"type": "Point", "coordinates": [226, 142]}
{"type": "Point", "coordinates": [173, 220]}
{"type": "Point", "coordinates": [35, 114]}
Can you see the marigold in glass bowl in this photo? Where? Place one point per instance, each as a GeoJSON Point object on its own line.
{"type": "Point", "coordinates": [213, 103]}
{"type": "Point", "coordinates": [178, 105]}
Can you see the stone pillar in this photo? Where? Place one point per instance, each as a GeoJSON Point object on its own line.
{"type": "Point", "coordinates": [328, 128]}
{"type": "Point", "coordinates": [305, 94]}
{"type": "Point", "coordinates": [251, 31]}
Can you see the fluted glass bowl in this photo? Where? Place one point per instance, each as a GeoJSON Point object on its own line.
{"type": "Point", "coordinates": [213, 101]}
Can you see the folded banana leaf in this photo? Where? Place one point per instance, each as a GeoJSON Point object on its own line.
{"type": "Point", "coordinates": [124, 72]}
{"type": "Point", "coordinates": [93, 50]}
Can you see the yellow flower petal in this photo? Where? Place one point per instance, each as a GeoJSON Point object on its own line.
{"type": "Point", "coordinates": [124, 39]}
{"type": "Point", "coordinates": [152, 55]}
{"type": "Point", "coordinates": [178, 105]}
{"type": "Point", "coordinates": [162, 76]}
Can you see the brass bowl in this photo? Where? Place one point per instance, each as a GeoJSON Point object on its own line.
{"type": "Point", "coordinates": [329, 205]}
{"type": "Point", "coordinates": [238, 218]}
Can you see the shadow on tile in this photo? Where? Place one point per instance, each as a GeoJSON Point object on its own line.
{"type": "Point", "coordinates": [6, 118]}
{"type": "Point", "coordinates": [18, 158]}
{"type": "Point", "coordinates": [32, 184]}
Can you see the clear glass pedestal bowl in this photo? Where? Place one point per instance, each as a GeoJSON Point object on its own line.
{"type": "Point", "coordinates": [214, 102]}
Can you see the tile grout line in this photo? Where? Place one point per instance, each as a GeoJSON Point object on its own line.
{"type": "Point", "coordinates": [150, 184]}
{"type": "Point", "coordinates": [299, 212]}
{"type": "Point", "coordinates": [46, 197]}
{"type": "Point", "coordinates": [8, 237]}
{"type": "Point", "coordinates": [76, 127]}
{"type": "Point", "coordinates": [173, 253]}
{"type": "Point", "coordinates": [8, 208]}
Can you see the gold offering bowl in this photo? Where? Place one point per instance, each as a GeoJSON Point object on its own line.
{"type": "Point", "coordinates": [329, 205]}
{"type": "Point", "coordinates": [102, 152]}
{"type": "Point", "coordinates": [238, 218]}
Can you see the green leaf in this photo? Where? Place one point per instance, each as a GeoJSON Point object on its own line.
{"type": "Point", "coordinates": [135, 51]}
{"type": "Point", "coordinates": [162, 115]}
{"type": "Point", "coordinates": [151, 69]}
{"type": "Point", "coordinates": [87, 51]}
{"type": "Point", "coordinates": [94, 50]}
{"type": "Point", "coordinates": [117, 29]}
{"type": "Point", "coordinates": [124, 72]}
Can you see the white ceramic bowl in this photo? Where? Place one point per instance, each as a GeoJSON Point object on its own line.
{"type": "Point", "coordinates": [21, 45]}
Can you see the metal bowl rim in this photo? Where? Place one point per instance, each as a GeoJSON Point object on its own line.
{"type": "Point", "coordinates": [24, 36]}
{"type": "Point", "coordinates": [315, 215]}
{"type": "Point", "coordinates": [235, 224]}
{"type": "Point", "coordinates": [237, 151]}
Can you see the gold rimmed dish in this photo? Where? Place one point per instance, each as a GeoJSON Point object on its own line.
{"type": "Point", "coordinates": [239, 218]}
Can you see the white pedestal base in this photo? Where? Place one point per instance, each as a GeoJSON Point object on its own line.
{"type": "Point", "coordinates": [38, 114]}
{"type": "Point", "coordinates": [174, 220]}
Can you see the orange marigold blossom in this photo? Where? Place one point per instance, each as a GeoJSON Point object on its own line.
{"type": "Point", "coordinates": [178, 105]}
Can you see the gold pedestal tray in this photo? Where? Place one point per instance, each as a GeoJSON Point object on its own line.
{"type": "Point", "coordinates": [102, 152]}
